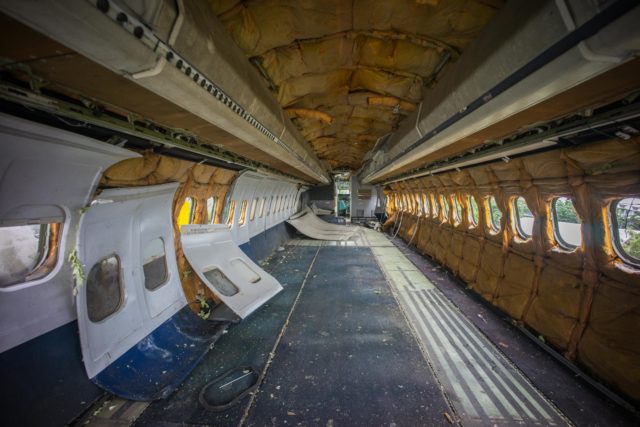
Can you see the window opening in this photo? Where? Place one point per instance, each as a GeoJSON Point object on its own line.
{"type": "Point", "coordinates": [457, 214]}
{"type": "Point", "coordinates": [29, 251]}
{"type": "Point", "coordinates": [626, 229]}
{"type": "Point", "coordinates": [524, 218]}
{"type": "Point", "coordinates": [187, 212]}
{"type": "Point", "coordinates": [243, 213]}
{"type": "Point", "coordinates": [154, 266]}
{"type": "Point", "coordinates": [230, 209]}
{"type": "Point", "coordinates": [566, 223]}
{"type": "Point", "coordinates": [104, 289]}
{"type": "Point", "coordinates": [495, 214]}
{"type": "Point", "coordinates": [473, 210]}
{"type": "Point", "coordinates": [212, 202]}
{"type": "Point", "coordinates": [445, 207]}
{"type": "Point", "coordinates": [425, 204]}
{"type": "Point", "coordinates": [254, 206]}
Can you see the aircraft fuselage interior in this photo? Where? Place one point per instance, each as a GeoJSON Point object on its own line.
{"type": "Point", "coordinates": [319, 213]}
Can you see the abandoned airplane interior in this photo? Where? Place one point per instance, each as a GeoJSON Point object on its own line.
{"type": "Point", "coordinates": [319, 213]}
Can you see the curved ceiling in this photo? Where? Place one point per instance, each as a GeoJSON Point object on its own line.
{"type": "Point", "coordinates": [347, 72]}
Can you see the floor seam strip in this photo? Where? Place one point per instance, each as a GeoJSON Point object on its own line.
{"type": "Point", "coordinates": [272, 354]}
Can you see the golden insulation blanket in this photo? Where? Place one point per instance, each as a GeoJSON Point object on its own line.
{"type": "Point", "coordinates": [362, 63]}
{"type": "Point", "coordinates": [199, 182]}
{"type": "Point", "coordinates": [584, 302]}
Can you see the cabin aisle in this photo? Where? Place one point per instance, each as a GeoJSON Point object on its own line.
{"type": "Point", "coordinates": [347, 357]}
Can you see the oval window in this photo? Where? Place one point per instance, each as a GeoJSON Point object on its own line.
{"type": "Point", "coordinates": [154, 264]}
{"type": "Point", "coordinates": [473, 211]}
{"type": "Point", "coordinates": [104, 289]}
{"type": "Point", "coordinates": [495, 214]}
{"type": "Point", "coordinates": [626, 229]}
{"type": "Point", "coordinates": [523, 218]}
{"type": "Point", "coordinates": [566, 223]}
{"type": "Point", "coordinates": [457, 214]}
{"type": "Point", "coordinates": [445, 207]}
{"type": "Point", "coordinates": [435, 205]}
{"type": "Point", "coordinates": [187, 212]}
{"type": "Point", "coordinates": [212, 202]}
{"type": "Point", "coordinates": [426, 205]}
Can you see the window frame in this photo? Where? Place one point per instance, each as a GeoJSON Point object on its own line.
{"type": "Point", "coordinates": [556, 226]}
{"type": "Point", "coordinates": [446, 209]}
{"type": "Point", "coordinates": [120, 286]}
{"type": "Point", "coordinates": [457, 210]}
{"type": "Point", "coordinates": [516, 218]}
{"type": "Point", "coordinates": [166, 266]}
{"type": "Point", "coordinates": [212, 212]}
{"type": "Point", "coordinates": [192, 211]}
{"type": "Point", "coordinates": [426, 205]}
{"type": "Point", "coordinates": [254, 206]}
{"type": "Point", "coordinates": [495, 228]}
{"type": "Point", "coordinates": [471, 200]}
{"type": "Point", "coordinates": [435, 203]}
{"type": "Point", "coordinates": [49, 254]}
{"type": "Point", "coordinates": [242, 219]}
{"type": "Point", "coordinates": [231, 210]}
{"type": "Point", "coordinates": [615, 234]}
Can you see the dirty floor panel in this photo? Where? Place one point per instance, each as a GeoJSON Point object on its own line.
{"type": "Point", "coordinates": [348, 357]}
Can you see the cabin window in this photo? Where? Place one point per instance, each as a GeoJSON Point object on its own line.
{"type": "Point", "coordinates": [495, 214]}
{"type": "Point", "coordinates": [29, 252]}
{"type": "Point", "coordinates": [187, 212]}
{"type": "Point", "coordinates": [263, 201]}
{"type": "Point", "coordinates": [243, 213]}
{"type": "Point", "coordinates": [270, 207]}
{"type": "Point", "coordinates": [523, 218]}
{"type": "Point", "coordinates": [566, 223]}
{"type": "Point", "coordinates": [445, 207]}
{"type": "Point", "coordinates": [212, 202]}
{"type": "Point", "coordinates": [435, 205]}
{"type": "Point", "coordinates": [277, 205]}
{"type": "Point", "coordinates": [626, 229]}
{"type": "Point", "coordinates": [425, 204]}
{"type": "Point", "coordinates": [230, 210]}
{"type": "Point", "coordinates": [457, 212]}
{"type": "Point", "coordinates": [154, 265]}
{"type": "Point", "coordinates": [104, 289]}
{"type": "Point", "coordinates": [254, 206]}
{"type": "Point", "coordinates": [419, 207]}
{"type": "Point", "coordinates": [473, 211]}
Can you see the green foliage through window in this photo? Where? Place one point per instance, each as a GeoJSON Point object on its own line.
{"type": "Point", "coordinates": [524, 218]}
{"type": "Point", "coordinates": [627, 232]}
{"type": "Point", "coordinates": [496, 214]}
{"type": "Point", "coordinates": [473, 210]}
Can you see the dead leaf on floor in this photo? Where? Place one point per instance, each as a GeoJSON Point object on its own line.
{"type": "Point", "coordinates": [291, 413]}
{"type": "Point", "coordinates": [448, 417]}
{"type": "Point", "coordinates": [501, 344]}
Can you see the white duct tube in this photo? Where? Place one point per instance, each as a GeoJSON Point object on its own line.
{"type": "Point", "coordinates": [175, 30]}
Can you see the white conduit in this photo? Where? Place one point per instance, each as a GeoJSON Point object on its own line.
{"type": "Point", "coordinates": [399, 224]}
{"type": "Point", "coordinates": [175, 30]}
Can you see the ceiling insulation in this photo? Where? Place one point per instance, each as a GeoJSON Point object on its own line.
{"type": "Point", "coordinates": [347, 72]}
